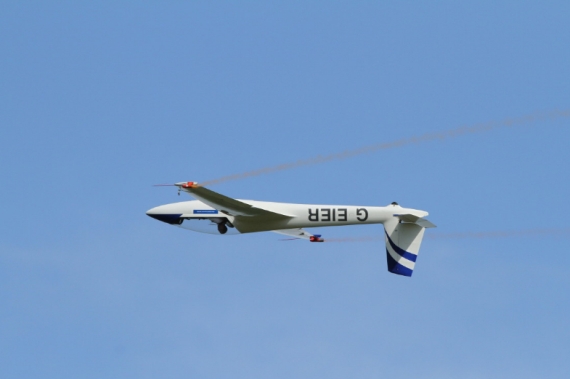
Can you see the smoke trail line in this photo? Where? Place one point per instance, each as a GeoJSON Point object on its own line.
{"type": "Point", "coordinates": [452, 133]}
{"type": "Point", "coordinates": [562, 232]}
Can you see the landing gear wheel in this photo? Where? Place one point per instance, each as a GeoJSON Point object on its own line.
{"type": "Point", "coordinates": [222, 228]}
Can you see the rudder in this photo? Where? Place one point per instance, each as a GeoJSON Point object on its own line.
{"type": "Point", "coordinates": [403, 241]}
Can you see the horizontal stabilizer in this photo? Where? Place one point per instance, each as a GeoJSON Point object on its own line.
{"type": "Point", "coordinates": [423, 222]}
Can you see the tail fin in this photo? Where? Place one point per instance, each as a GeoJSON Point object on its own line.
{"type": "Point", "coordinates": [403, 240]}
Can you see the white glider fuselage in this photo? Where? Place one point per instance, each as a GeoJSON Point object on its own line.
{"type": "Point", "coordinates": [215, 213]}
{"type": "Point", "coordinates": [298, 215]}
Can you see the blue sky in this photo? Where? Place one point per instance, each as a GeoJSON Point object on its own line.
{"type": "Point", "coordinates": [100, 101]}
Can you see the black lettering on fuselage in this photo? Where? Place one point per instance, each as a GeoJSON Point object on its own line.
{"type": "Point", "coordinates": [313, 216]}
{"type": "Point", "coordinates": [342, 214]}
{"type": "Point", "coordinates": [333, 214]}
{"type": "Point", "coordinates": [361, 214]}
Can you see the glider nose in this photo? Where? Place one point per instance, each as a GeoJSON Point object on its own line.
{"type": "Point", "coordinates": [162, 214]}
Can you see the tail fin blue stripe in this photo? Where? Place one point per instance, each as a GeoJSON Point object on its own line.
{"type": "Point", "coordinates": [403, 253]}
{"type": "Point", "coordinates": [396, 268]}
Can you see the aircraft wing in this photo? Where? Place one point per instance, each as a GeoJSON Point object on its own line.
{"type": "Point", "coordinates": [225, 204]}
{"type": "Point", "coordinates": [299, 233]}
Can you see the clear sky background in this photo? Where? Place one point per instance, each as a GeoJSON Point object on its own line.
{"type": "Point", "coordinates": [98, 101]}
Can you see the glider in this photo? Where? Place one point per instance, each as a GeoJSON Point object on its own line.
{"type": "Point", "coordinates": [215, 213]}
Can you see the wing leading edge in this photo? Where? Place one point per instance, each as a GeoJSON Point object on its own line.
{"type": "Point", "coordinates": [226, 204]}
